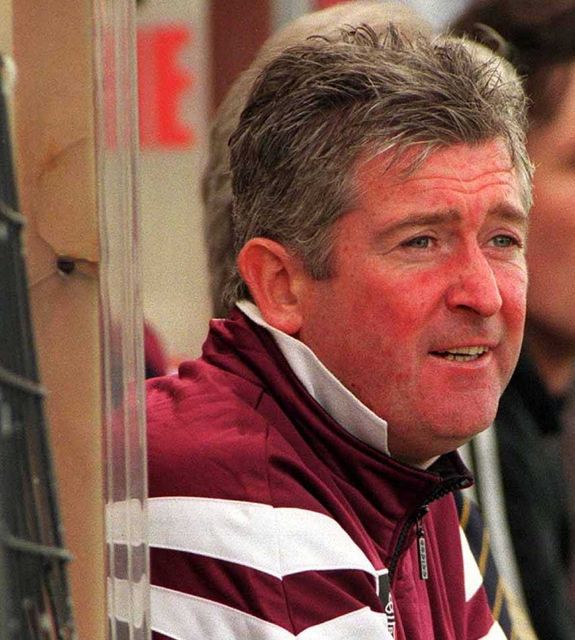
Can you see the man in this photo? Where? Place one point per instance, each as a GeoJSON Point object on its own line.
{"type": "Point", "coordinates": [302, 470]}
{"type": "Point", "coordinates": [531, 448]}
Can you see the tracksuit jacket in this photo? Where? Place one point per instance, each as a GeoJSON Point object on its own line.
{"type": "Point", "coordinates": [268, 520]}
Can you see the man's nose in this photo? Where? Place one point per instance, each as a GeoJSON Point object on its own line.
{"type": "Point", "coordinates": [474, 286]}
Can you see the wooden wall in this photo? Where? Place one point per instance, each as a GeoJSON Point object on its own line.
{"type": "Point", "coordinates": [53, 50]}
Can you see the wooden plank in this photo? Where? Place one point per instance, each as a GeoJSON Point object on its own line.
{"type": "Point", "coordinates": [53, 48]}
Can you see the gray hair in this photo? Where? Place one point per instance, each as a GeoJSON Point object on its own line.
{"type": "Point", "coordinates": [216, 183]}
{"type": "Point", "coordinates": [318, 107]}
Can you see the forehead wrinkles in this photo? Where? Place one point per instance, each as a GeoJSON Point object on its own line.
{"type": "Point", "coordinates": [461, 184]}
{"type": "Point", "coordinates": [382, 186]}
{"type": "Point", "coordinates": [461, 162]}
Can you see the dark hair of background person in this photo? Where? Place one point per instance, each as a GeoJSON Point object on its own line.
{"type": "Point", "coordinates": [538, 34]}
{"type": "Point", "coordinates": [155, 358]}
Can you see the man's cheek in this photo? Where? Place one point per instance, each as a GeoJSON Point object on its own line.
{"type": "Point", "coordinates": [514, 293]}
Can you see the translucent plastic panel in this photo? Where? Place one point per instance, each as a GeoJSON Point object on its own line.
{"type": "Point", "coordinates": [122, 321]}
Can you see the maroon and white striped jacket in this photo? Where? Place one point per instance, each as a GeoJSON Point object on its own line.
{"type": "Point", "coordinates": [268, 520]}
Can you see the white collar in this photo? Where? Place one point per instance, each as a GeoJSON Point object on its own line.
{"type": "Point", "coordinates": [324, 387]}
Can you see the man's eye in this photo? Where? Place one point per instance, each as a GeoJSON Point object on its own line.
{"type": "Point", "coordinates": [421, 242]}
{"type": "Point", "coordinates": [503, 241]}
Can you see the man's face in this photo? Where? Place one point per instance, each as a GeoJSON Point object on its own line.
{"type": "Point", "coordinates": [423, 317]}
{"type": "Point", "coordinates": [551, 253]}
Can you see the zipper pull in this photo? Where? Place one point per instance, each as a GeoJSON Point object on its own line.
{"type": "Point", "coordinates": [422, 547]}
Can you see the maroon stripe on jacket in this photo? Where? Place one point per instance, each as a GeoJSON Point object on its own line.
{"type": "Point", "coordinates": [314, 596]}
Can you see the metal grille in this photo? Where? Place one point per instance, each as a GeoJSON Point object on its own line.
{"type": "Point", "coordinates": [34, 594]}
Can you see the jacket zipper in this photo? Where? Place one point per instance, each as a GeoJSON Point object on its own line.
{"type": "Point", "coordinates": [417, 520]}
{"type": "Point", "coordinates": [421, 546]}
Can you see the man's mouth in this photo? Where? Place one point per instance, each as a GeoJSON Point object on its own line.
{"type": "Point", "coordinates": [462, 354]}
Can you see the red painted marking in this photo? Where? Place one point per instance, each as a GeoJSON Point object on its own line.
{"type": "Point", "coordinates": [163, 83]}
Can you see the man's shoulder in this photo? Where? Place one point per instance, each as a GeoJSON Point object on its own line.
{"type": "Point", "coordinates": [209, 436]}
{"type": "Point", "coordinates": [197, 389]}
{"type": "Point", "coordinates": [204, 406]}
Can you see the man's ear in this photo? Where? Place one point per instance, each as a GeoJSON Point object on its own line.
{"type": "Point", "coordinates": [273, 275]}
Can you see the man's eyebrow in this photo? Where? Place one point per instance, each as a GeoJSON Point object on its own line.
{"type": "Point", "coordinates": [511, 214]}
{"type": "Point", "coordinates": [506, 212]}
{"type": "Point", "coordinates": [419, 219]}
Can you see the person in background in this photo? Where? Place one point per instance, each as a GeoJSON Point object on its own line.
{"type": "Point", "coordinates": [302, 470]}
{"type": "Point", "coordinates": [524, 465]}
{"type": "Point", "coordinates": [155, 358]}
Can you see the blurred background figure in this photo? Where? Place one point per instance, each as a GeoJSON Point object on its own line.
{"type": "Point", "coordinates": [155, 358]}
{"type": "Point", "coordinates": [525, 466]}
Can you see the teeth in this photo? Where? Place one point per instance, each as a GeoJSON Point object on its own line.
{"type": "Point", "coordinates": [464, 354]}
{"type": "Point", "coordinates": [468, 351]}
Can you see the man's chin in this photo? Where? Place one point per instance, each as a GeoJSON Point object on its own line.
{"type": "Point", "coordinates": [439, 442]}
{"type": "Point", "coordinates": [458, 434]}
